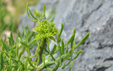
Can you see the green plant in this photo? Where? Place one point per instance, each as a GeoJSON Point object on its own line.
{"type": "Point", "coordinates": [20, 7]}
{"type": "Point", "coordinates": [6, 19]}
{"type": "Point", "coordinates": [11, 58]}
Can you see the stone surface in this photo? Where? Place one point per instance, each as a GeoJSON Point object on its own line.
{"type": "Point", "coordinates": [94, 16]}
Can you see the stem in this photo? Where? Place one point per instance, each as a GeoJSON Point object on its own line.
{"type": "Point", "coordinates": [43, 42]}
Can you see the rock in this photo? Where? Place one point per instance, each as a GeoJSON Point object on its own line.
{"type": "Point", "coordinates": [96, 17]}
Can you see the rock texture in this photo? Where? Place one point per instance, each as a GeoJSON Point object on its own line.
{"type": "Point", "coordinates": [94, 16]}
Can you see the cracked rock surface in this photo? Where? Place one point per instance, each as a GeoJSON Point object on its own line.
{"type": "Point", "coordinates": [94, 16]}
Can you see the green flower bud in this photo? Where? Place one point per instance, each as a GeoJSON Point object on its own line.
{"type": "Point", "coordinates": [46, 29]}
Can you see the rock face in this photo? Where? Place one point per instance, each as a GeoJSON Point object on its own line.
{"type": "Point", "coordinates": [94, 16]}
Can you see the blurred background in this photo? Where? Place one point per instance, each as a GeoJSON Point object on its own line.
{"type": "Point", "coordinates": [10, 12]}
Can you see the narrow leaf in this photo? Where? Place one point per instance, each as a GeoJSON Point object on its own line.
{"type": "Point", "coordinates": [46, 50]}
{"type": "Point", "coordinates": [67, 49]}
{"type": "Point", "coordinates": [44, 9]}
{"type": "Point", "coordinates": [17, 48]}
{"type": "Point", "coordinates": [5, 47]}
{"type": "Point", "coordinates": [11, 41]}
{"type": "Point", "coordinates": [13, 69]}
{"type": "Point", "coordinates": [38, 56]}
{"type": "Point", "coordinates": [71, 65]}
{"type": "Point", "coordinates": [50, 69]}
{"type": "Point", "coordinates": [25, 65]}
{"type": "Point", "coordinates": [20, 54]}
{"type": "Point", "coordinates": [60, 53]}
{"type": "Point", "coordinates": [53, 16]}
{"type": "Point", "coordinates": [62, 47]}
{"type": "Point", "coordinates": [2, 62]}
{"type": "Point", "coordinates": [28, 14]}
{"type": "Point", "coordinates": [61, 30]}
{"type": "Point", "coordinates": [71, 39]}
{"type": "Point", "coordinates": [56, 67]}
{"type": "Point", "coordinates": [74, 31]}
{"type": "Point", "coordinates": [43, 59]}
{"type": "Point", "coordinates": [63, 66]}
{"type": "Point", "coordinates": [10, 62]}
{"type": "Point", "coordinates": [31, 64]}
{"type": "Point", "coordinates": [52, 38]}
{"type": "Point", "coordinates": [84, 39]}
{"type": "Point", "coordinates": [54, 48]}
{"type": "Point", "coordinates": [23, 43]}
{"type": "Point", "coordinates": [80, 51]}
{"type": "Point", "coordinates": [31, 14]}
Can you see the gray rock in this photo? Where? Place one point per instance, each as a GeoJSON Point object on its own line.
{"type": "Point", "coordinates": [96, 17]}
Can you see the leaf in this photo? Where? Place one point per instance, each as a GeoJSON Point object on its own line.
{"type": "Point", "coordinates": [74, 42]}
{"type": "Point", "coordinates": [58, 39]}
{"type": "Point", "coordinates": [23, 43]}
{"type": "Point", "coordinates": [44, 9]}
{"type": "Point", "coordinates": [37, 51]}
{"type": "Point", "coordinates": [32, 14]}
{"type": "Point", "coordinates": [52, 38]}
{"type": "Point", "coordinates": [10, 62]}
{"type": "Point", "coordinates": [25, 65]}
{"type": "Point", "coordinates": [67, 49]}
{"type": "Point", "coordinates": [49, 69]}
{"type": "Point", "coordinates": [27, 9]}
{"type": "Point", "coordinates": [71, 65]}
{"type": "Point", "coordinates": [17, 48]}
{"type": "Point", "coordinates": [54, 48]}
{"type": "Point", "coordinates": [62, 47]}
{"type": "Point", "coordinates": [63, 66]}
{"type": "Point", "coordinates": [50, 52]}
{"type": "Point", "coordinates": [56, 67]}
{"type": "Point", "coordinates": [46, 50]}
{"type": "Point", "coordinates": [36, 13]}
{"type": "Point", "coordinates": [30, 62]}
{"type": "Point", "coordinates": [80, 51]}
{"type": "Point", "coordinates": [18, 33]}
{"type": "Point", "coordinates": [74, 31]}
{"type": "Point", "coordinates": [60, 53]}
{"type": "Point", "coordinates": [11, 41]}
{"type": "Point", "coordinates": [25, 34]}
{"type": "Point", "coordinates": [13, 69]}
{"type": "Point", "coordinates": [5, 47]}
{"type": "Point", "coordinates": [2, 62]}
{"type": "Point", "coordinates": [43, 59]}
{"type": "Point", "coordinates": [28, 51]}
{"type": "Point", "coordinates": [53, 16]}
{"type": "Point", "coordinates": [84, 39]}
{"type": "Point", "coordinates": [20, 54]}
{"type": "Point", "coordinates": [61, 30]}
{"type": "Point", "coordinates": [71, 39]}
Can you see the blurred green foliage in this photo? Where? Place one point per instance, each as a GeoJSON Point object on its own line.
{"type": "Point", "coordinates": [20, 6]}
{"type": "Point", "coordinates": [6, 19]}
{"type": "Point", "coordinates": [10, 10]}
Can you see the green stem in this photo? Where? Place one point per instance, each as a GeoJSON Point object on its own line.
{"type": "Point", "coordinates": [43, 42]}
{"type": "Point", "coordinates": [63, 58]}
